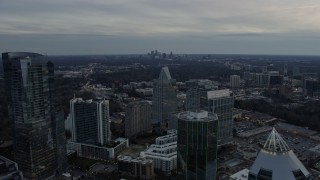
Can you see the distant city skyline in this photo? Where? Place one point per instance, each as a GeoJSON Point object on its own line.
{"type": "Point", "coordinates": [79, 27]}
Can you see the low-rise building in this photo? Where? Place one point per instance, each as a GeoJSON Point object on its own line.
{"type": "Point", "coordinates": [295, 130]}
{"type": "Point", "coordinates": [141, 168]}
{"type": "Point", "coordinates": [9, 169]}
{"type": "Point", "coordinates": [145, 91]}
{"type": "Point", "coordinates": [163, 153]}
{"type": "Point", "coordinates": [98, 152]}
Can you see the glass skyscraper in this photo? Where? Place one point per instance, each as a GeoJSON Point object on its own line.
{"type": "Point", "coordinates": [193, 99]}
{"type": "Point", "coordinates": [197, 145]}
{"type": "Point", "coordinates": [38, 134]}
{"type": "Point", "coordinates": [90, 121]}
{"type": "Point", "coordinates": [164, 100]}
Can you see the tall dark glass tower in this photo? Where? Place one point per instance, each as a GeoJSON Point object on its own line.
{"type": "Point", "coordinates": [164, 99]}
{"type": "Point", "coordinates": [197, 145]}
{"type": "Point", "coordinates": [90, 121]}
{"type": "Point", "coordinates": [38, 134]}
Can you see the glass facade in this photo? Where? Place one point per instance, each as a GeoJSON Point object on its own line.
{"type": "Point", "coordinates": [193, 99]}
{"type": "Point", "coordinates": [29, 79]}
{"type": "Point", "coordinates": [221, 104]}
{"type": "Point", "coordinates": [90, 121]}
{"type": "Point", "coordinates": [197, 146]}
{"type": "Point", "coordinates": [86, 122]}
{"type": "Point", "coordinates": [164, 99]}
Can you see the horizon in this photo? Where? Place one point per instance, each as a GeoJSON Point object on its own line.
{"type": "Point", "coordinates": [146, 53]}
{"type": "Point", "coordinates": [79, 27]}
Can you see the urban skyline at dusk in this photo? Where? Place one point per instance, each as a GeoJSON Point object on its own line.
{"type": "Point", "coordinates": [160, 90]}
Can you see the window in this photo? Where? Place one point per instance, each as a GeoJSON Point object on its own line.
{"type": "Point", "coordinates": [264, 174]}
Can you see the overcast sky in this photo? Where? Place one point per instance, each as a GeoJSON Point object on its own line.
{"type": "Point", "coordinates": [58, 27]}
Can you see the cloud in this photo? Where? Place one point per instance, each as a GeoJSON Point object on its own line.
{"type": "Point", "coordinates": [145, 17]}
{"type": "Point", "coordinates": [163, 19]}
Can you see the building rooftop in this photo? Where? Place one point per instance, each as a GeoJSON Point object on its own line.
{"type": "Point", "coordinates": [218, 93]}
{"type": "Point", "coordinates": [315, 149]}
{"type": "Point", "coordinates": [197, 116]}
{"type": "Point", "coordinates": [20, 54]}
{"type": "Point", "coordinates": [295, 129]}
{"type": "Point", "coordinates": [239, 111]}
{"type": "Point", "coordinates": [275, 143]}
{"type": "Point", "coordinates": [241, 175]}
{"type": "Point", "coordinates": [136, 160]}
{"type": "Point", "coordinates": [277, 160]}
{"type": "Point", "coordinates": [254, 132]}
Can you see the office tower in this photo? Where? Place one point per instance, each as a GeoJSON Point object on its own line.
{"type": "Point", "coordinates": [90, 121]}
{"type": "Point", "coordinates": [164, 99]}
{"type": "Point", "coordinates": [234, 81]}
{"type": "Point", "coordinates": [171, 55]}
{"type": "Point", "coordinates": [274, 78]}
{"type": "Point", "coordinates": [197, 145]}
{"type": "Point", "coordinates": [193, 99]}
{"type": "Point", "coordinates": [29, 80]}
{"type": "Point", "coordinates": [264, 69]}
{"type": "Point", "coordinates": [138, 118]}
{"type": "Point", "coordinates": [260, 79]}
{"type": "Point", "coordinates": [285, 70]}
{"type": "Point", "coordinates": [220, 102]}
{"type": "Point", "coordinates": [277, 161]}
{"type": "Point", "coordinates": [62, 159]}
{"type": "Point", "coordinates": [247, 76]}
{"type": "Point", "coordinates": [311, 86]}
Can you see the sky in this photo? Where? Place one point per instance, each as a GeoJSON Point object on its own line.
{"type": "Point", "coordinates": [76, 27]}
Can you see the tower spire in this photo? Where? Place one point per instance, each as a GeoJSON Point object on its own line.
{"type": "Point", "coordinates": [275, 142]}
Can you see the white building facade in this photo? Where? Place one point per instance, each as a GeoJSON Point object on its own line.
{"type": "Point", "coordinates": [163, 153]}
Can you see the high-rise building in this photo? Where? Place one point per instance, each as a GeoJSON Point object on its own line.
{"type": "Point", "coordinates": [234, 81]}
{"type": "Point", "coordinates": [192, 102]}
{"type": "Point", "coordinates": [274, 78]}
{"type": "Point", "coordinates": [220, 102]}
{"type": "Point", "coordinates": [164, 99]}
{"type": "Point", "coordinates": [138, 118]}
{"type": "Point", "coordinates": [285, 70]}
{"type": "Point", "coordinates": [90, 121]}
{"type": "Point", "coordinates": [197, 145]}
{"type": "Point", "coordinates": [260, 79]}
{"type": "Point", "coordinates": [264, 69]}
{"type": "Point", "coordinates": [277, 161]}
{"type": "Point", "coordinates": [193, 99]}
{"type": "Point", "coordinates": [311, 85]}
{"type": "Point", "coordinates": [29, 80]}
